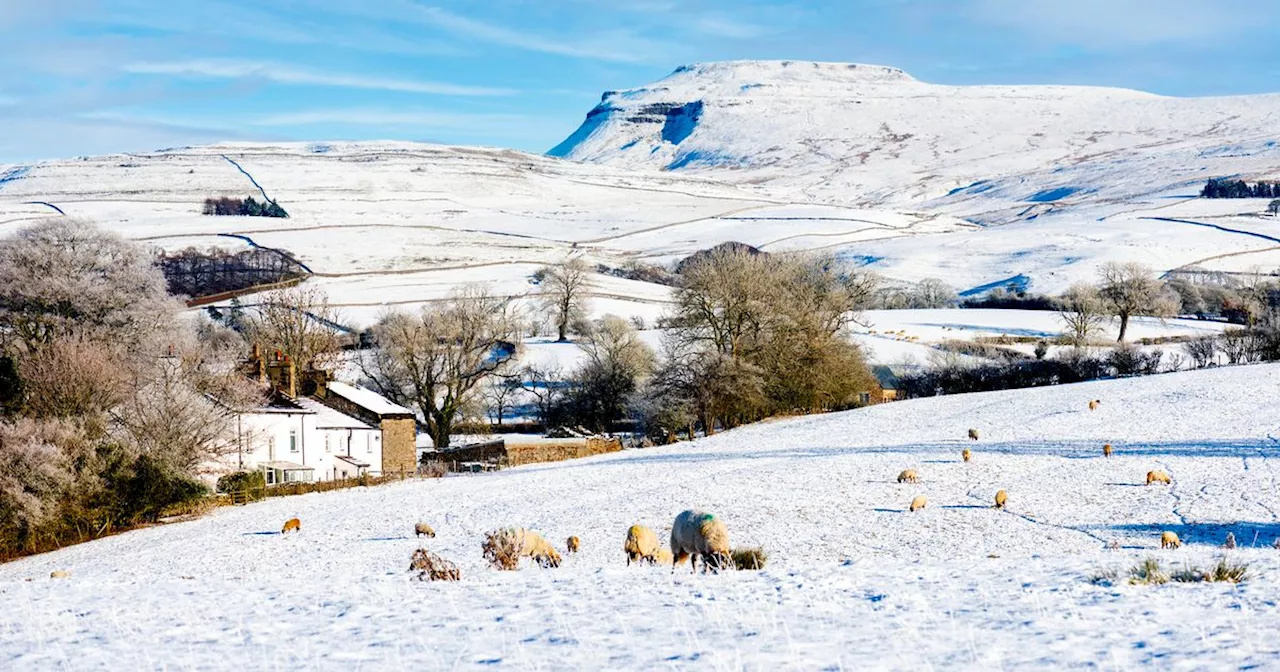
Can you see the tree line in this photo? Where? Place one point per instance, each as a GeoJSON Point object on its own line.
{"type": "Point", "coordinates": [194, 273]}
{"type": "Point", "coordinates": [246, 207]}
{"type": "Point", "coordinates": [1232, 188]}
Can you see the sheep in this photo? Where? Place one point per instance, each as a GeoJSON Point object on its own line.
{"type": "Point", "coordinates": [662, 556]}
{"type": "Point", "coordinates": [908, 476]}
{"type": "Point", "coordinates": [1106, 450]}
{"type": "Point", "coordinates": [60, 574]}
{"type": "Point", "coordinates": [973, 434]}
{"type": "Point", "coordinates": [533, 545]}
{"type": "Point", "coordinates": [1158, 476]}
{"type": "Point", "coordinates": [1170, 540]}
{"type": "Point", "coordinates": [641, 545]}
{"type": "Point", "coordinates": [571, 544]}
{"type": "Point", "coordinates": [1093, 405]}
{"type": "Point", "coordinates": [423, 530]}
{"type": "Point", "coordinates": [1001, 498]}
{"type": "Point", "coordinates": [291, 524]}
{"type": "Point", "coordinates": [700, 534]}
{"type": "Point", "coordinates": [918, 503]}
{"type": "Point", "coordinates": [966, 454]}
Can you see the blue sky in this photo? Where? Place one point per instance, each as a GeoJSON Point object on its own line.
{"type": "Point", "coordinates": [81, 77]}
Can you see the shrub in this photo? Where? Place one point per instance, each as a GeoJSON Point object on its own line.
{"type": "Point", "coordinates": [502, 548]}
{"type": "Point", "coordinates": [249, 482]}
{"type": "Point", "coordinates": [1128, 360]}
{"type": "Point", "coordinates": [749, 558]}
{"type": "Point", "coordinates": [1148, 572]}
{"type": "Point", "coordinates": [431, 567]}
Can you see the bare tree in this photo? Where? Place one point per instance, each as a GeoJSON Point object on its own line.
{"type": "Point", "coordinates": [1082, 312]}
{"type": "Point", "coordinates": [436, 360]}
{"type": "Point", "coordinates": [300, 323]}
{"type": "Point", "coordinates": [933, 293]}
{"type": "Point", "coordinates": [1129, 289]}
{"type": "Point", "coordinates": [66, 276]}
{"type": "Point", "coordinates": [70, 376]}
{"type": "Point", "coordinates": [617, 362]}
{"type": "Point", "coordinates": [1203, 351]}
{"type": "Point", "coordinates": [499, 395]}
{"type": "Point", "coordinates": [564, 293]}
{"type": "Point", "coordinates": [546, 384]}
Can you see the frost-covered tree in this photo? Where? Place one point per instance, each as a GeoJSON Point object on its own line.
{"type": "Point", "coordinates": [564, 289]}
{"type": "Point", "coordinates": [298, 322]}
{"type": "Point", "coordinates": [1082, 312]}
{"type": "Point", "coordinates": [437, 360]}
{"type": "Point", "coordinates": [933, 293]}
{"type": "Point", "coordinates": [64, 276]}
{"type": "Point", "coordinates": [1129, 289]}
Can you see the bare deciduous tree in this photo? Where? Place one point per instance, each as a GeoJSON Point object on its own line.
{"type": "Point", "coordinates": [1082, 312]}
{"type": "Point", "coordinates": [1129, 289]}
{"type": "Point", "coordinates": [933, 293]}
{"type": "Point", "coordinates": [436, 360]}
{"type": "Point", "coordinates": [564, 293]}
{"type": "Point", "coordinates": [299, 323]}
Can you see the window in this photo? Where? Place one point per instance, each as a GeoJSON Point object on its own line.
{"type": "Point", "coordinates": [368, 443]}
{"type": "Point", "coordinates": [293, 440]}
{"type": "Point", "coordinates": [328, 443]}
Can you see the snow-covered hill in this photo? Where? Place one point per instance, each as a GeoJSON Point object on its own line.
{"type": "Point", "coordinates": [875, 136]}
{"type": "Point", "coordinates": [853, 581]}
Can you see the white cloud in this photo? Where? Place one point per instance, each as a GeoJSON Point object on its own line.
{"type": "Point", "coordinates": [283, 74]}
{"type": "Point", "coordinates": [617, 45]}
{"type": "Point", "coordinates": [1119, 23]}
{"type": "Point", "coordinates": [385, 118]}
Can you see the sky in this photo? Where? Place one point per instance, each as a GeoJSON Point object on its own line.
{"type": "Point", "coordinates": [85, 77]}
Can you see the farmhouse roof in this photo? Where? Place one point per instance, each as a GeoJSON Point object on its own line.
{"type": "Point", "coordinates": [367, 399]}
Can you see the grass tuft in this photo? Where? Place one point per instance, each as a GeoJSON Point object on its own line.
{"type": "Point", "coordinates": [749, 558]}
{"type": "Point", "coordinates": [1148, 573]}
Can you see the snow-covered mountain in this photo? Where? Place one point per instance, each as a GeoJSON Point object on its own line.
{"type": "Point", "coordinates": [874, 136]}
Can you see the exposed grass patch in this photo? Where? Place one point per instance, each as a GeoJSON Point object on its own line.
{"type": "Point", "coordinates": [749, 558]}
{"type": "Point", "coordinates": [1148, 573]}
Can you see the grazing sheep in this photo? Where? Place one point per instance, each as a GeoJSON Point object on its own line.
{"type": "Point", "coordinates": [641, 545]}
{"type": "Point", "coordinates": [423, 530]}
{"type": "Point", "coordinates": [291, 524]}
{"type": "Point", "coordinates": [918, 503]}
{"type": "Point", "coordinates": [966, 454]}
{"type": "Point", "coordinates": [60, 574]}
{"type": "Point", "coordinates": [533, 545]}
{"type": "Point", "coordinates": [571, 544]}
{"type": "Point", "coordinates": [1106, 450]}
{"type": "Point", "coordinates": [1231, 541]}
{"type": "Point", "coordinates": [1093, 405]}
{"type": "Point", "coordinates": [1170, 540]}
{"type": "Point", "coordinates": [973, 434]}
{"type": "Point", "coordinates": [1001, 498]}
{"type": "Point", "coordinates": [698, 534]}
{"type": "Point", "coordinates": [662, 556]}
{"type": "Point", "coordinates": [908, 476]}
{"type": "Point", "coordinates": [1158, 477]}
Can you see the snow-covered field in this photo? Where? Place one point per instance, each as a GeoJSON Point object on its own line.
{"type": "Point", "coordinates": [853, 580]}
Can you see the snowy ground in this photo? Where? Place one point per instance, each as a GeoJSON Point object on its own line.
{"type": "Point", "coordinates": [853, 581]}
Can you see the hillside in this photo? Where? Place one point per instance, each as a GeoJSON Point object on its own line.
{"type": "Point", "coordinates": [875, 136]}
{"type": "Point", "coordinates": [853, 580]}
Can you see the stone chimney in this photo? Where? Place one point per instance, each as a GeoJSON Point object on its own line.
{"type": "Point", "coordinates": [282, 375]}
